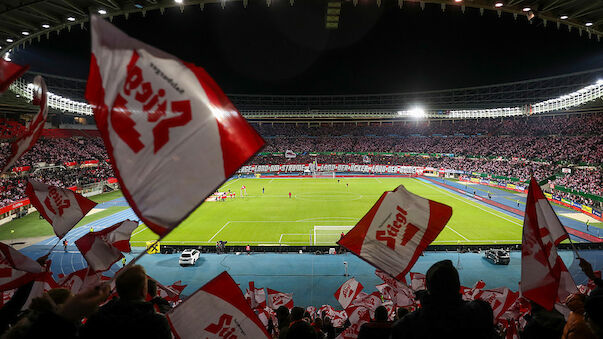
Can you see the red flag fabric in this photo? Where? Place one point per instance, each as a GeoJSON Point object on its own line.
{"type": "Point", "coordinates": [348, 292]}
{"type": "Point", "coordinates": [81, 280]}
{"type": "Point", "coordinates": [337, 317]}
{"type": "Point", "coordinates": [256, 297]}
{"type": "Point", "coordinates": [16, 269]}
{"type": "Point", "coordinates": [103, 248]}
{"type": "Point", "coordinates": [34, 128]}
{"type": "Point", "coordinates": [61, 207]}
{"type": "Point", "coordinates": [216, 310]}
{"type": "Point", "coordinates": [172, 135]}
{"type": "Point", "coordinates": [9, 72]}
{"type": "Point", "coordinates": [544, 277]}
{"type": "Point", "coordinates": [396, 230]}
{"type": "Point", "coordinates": [43, 282]}
{"type": "Point", "coordinates": [499, 298]}
{"type": "Point", "coordinates": [276, 299]}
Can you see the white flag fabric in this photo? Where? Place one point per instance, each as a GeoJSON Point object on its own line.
{"type": "Point", "coordinates": [544, 277]}
{"type": "Point", "coordinates": [61, 207]}
{"type": "Point", "coordinates": [102, 249]}
{"type": "Point", "coordinates": [35, 126]}
{"type": "Point", "coordinates": [16, 269]}
{"type": "Point", "coordinates": [347, 292]}
{"type": "Point", "coordinates": [499, 298]}
{"type": "Point", "coordinates": [276, 299]}
{"type": "Point", "coordinates": [81, 280]}
{"type": "Point", "coordinates": [396, 230]}
{"type": "Point", "coordinates": [256, 297]}
{"type": "Point", "coordinates": [216, 310]}
{"type": "Point", "coordinates": [43, 282]}
{"type": "Point", "coordinates": [172, 135]}
{"type": "Point", "coordinates": [417, 281]}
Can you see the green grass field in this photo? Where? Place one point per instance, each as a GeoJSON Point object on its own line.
{"type": "Point", "coordinates": [319, 210]}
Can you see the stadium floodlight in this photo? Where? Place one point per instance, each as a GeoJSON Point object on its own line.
{"type": "Point", "coordinates": [25, 33]}
{"type": "Point", "coordinates": [498, 4]}
{"type": "Point", "coordinates": [139, 6]}
{"type": "Point", "coordinates": [417, 112]}
{"type": "Point", "coordinates": [9, 40]}
{"type": "Point", "coordinates": [102, 11]}
{"type": "Point", "coordinates": [178, 1]}
{"type": "Point", "coordinates": [588, 24]}
{"type": "Point", "coordinates": [458, 1]}
{"type": "Point", "coordinates": [45, 26]}
{"type": "Point", "coordinates": [563, 17]}
{"type": "Point", "coordinates": [71, 19]}
{"type": "Point", "coordinates": [526, 9]}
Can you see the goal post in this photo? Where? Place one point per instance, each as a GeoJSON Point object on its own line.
{"type": "Point", "coordinates": [329, 235]}
{"type": "Point", "coordinates": [323, 175]}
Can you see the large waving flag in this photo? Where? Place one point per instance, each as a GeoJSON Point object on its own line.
{"type": "Point", "coordinates": [256, 297]}
{"type": "Point", "coordinates": [9, 72]}
{"type": "Point", "coordinates": [16, 269]}
{"type": "Point", "coordinates": [499, 298]}
{"type": "Point", "coordinates": [347, 292]}
{"type": "Point", "coordinates": [216, 310]}
{"type": "Point", "coordinates": [103, 248]}
{"type": "Point", "coordinates": [61, 207]}
{"type": "Point", "coordinates": [396, 230]}
{"type": "Point", "coordinates": [544, 278]}
{"type": "Point", "coordinates": [276, 299]}
{"type": "Point", "coordinates": [35, 126]}
{"type": "Point", "coordinates": [172, 135]}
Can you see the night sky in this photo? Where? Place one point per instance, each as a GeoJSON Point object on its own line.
{"type": "Point", "coordinates": [287, 50]}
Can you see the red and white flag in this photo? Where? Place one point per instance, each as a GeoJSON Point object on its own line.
{"type": "Point", "coordinates": [79, 280]}
{"type": "Point", "coordinates": [61, 207]}
{"type": "Point", "coordinates": [9, 72]}
{"type": "Point", "coordinates": [35, 126]}
{"type": "Point", "coordinates": [348, 292]}
{"type": "Point", "coordinates": [396, 230]}
{"type": "Point", "coordinates": [499, 298]}
{"type": "Point", "coordinates": [256, 297]}
{"type": "Point", "coordinates": [43, 282]}
{"type": "Point", "coordinates": [276, 299]}
{"type": "Point", "coordinates": [103, 248]}
{"type": "Point", "coordinates": [16, 269]}
{"type": "Point", "coordinates": [172, 135]}
{"type": "Point", "coordinates": [544, 277]}
{"type": "Point", "coordinates": [216, 310]}
{"type": "Point", "coordinates": [417, 281]}
{"type": "Point", "coordinates": [337, 317]}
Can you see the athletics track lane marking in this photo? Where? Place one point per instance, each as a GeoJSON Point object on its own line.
{"type": "Point", "coordinates": [469, 203]}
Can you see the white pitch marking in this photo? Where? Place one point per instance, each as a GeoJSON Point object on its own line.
{"type": "Point", "coordinates": [142, 229]}
{"type": "Point", "coordinates": [452, 229]}
{"type": "Point", "coordinates": [220, 230]}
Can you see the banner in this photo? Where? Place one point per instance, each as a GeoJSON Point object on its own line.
{"type": "Point", "coordinates": [358, 168]}
{"type": "Point", "coordinates": [90, 162]}
{"type": "Point", "coordinates": [14, 206]}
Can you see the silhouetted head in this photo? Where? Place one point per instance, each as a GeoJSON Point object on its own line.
{"type": "Point", "coordinates": [442, 280]}
{"type": "Point", "coordinates": [297, 313]}
{"type": "Point", "coordinates": [381, 313]}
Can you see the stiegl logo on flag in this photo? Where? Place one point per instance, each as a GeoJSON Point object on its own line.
{"type": "Point", "coordinates": [171, 134]}
{"type": "Point", "coordinates": [395, 231]}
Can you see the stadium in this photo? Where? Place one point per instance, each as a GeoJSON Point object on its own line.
{"type": "Point", "coordinates": [284, 216]}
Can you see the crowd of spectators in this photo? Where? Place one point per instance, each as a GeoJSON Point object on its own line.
{"type": "Point", "coordinates": [511, 147]}
{"type": "Point", "coordinates": [441, 311]}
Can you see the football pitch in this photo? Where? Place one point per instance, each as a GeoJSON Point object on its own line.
{"type": "Point", "coordinates": [319, 210]}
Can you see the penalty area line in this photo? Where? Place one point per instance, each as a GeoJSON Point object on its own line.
{"type": "Point", "coordinates": [220, 230]}
{"type": "Point", "coordinates": [452, 229]}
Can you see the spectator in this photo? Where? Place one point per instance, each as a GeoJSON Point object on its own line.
{"type": "Point", "coordinates": [576, 327]}
{"type": "Point", "coordinates": [380, 327]}
{"type": "Point", "coordinates": [128, 316]}
{"type": "Point", "coordinates": [299, 328]}
{"type": "Point", "coordinates": [282, 314]}
{"type": "Point", "coordinates": [542, 323]}
{"type": "Point", "coordinates": [443, 314]}
{"type": "Point", "coordinates": [161, 305]}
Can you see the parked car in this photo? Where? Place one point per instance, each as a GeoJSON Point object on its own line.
{"type": "Point", "coordinates": [189, 257]}
{"type": "Point", "coordinates": [498, 256]}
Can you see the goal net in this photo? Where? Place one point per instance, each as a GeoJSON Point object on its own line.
{"type": "Point", "coordinates": [323, 175]}
{"type": "Point", "coordinates": [329, 235]}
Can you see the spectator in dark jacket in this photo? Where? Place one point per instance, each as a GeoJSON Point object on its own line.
{"type": "Point", "coordinates": [443, 313]}
{"type": "Point", "coordinates": [128, 316]}
{"type": "Point", "coordinates": [378, 328]}
{"type": "Point", "coordinates": [299, 328]}
{"type": "Point", "coordinates": [542, 323]}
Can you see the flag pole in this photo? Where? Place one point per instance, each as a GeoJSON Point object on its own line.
{"type": "Point", "coordinates": [52, 248]}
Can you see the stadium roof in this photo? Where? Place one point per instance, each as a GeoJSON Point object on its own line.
{"type": "Point", "coordinates": [22, 21]}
